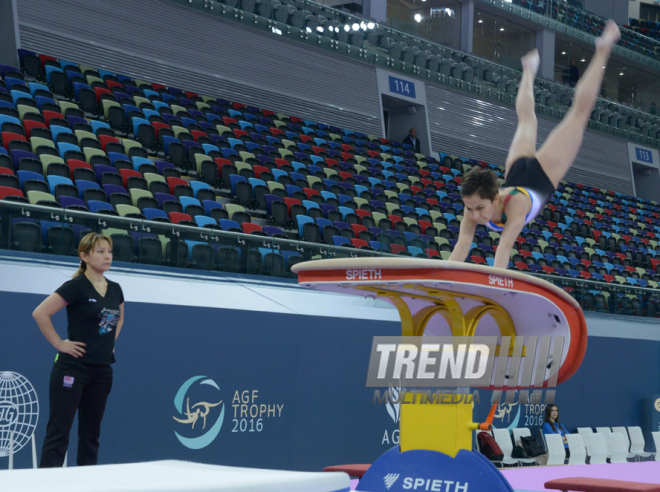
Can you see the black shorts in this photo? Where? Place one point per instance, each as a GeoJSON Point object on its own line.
{"type": "Point", "coordinates": [526, 172]}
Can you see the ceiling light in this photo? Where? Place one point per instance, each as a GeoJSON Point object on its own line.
{"type": "Point", "coordinates": [621, 73]}
{"type": "Point", "coordinates": [347, 28]}
{"type": "Point", "coordinates": [501, 29]}
{"type": "Point", "coordinates": [563, 52]}
{"type": "Point", "coordinates": [356, 26]}
{"type": "Point", "coordinates": [418, 18]}
{"type": "Point", "coordinates": [371, 25]}
{"type": "Point", "coordinates": [480, 21]}
{"type": "Point", "coordinates": [319, 28]}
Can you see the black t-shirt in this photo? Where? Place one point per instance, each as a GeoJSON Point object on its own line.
{"type": "Point", "coordinates": [92, 318]}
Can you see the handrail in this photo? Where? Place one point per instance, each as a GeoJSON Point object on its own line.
{"type": "Point", "coordinates": [12, 212]}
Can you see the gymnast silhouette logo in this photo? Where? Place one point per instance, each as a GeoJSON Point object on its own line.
{"type": "Point", "coordinates": [197, 413]}
{"type": "Point", "coordinates": [505, 413]}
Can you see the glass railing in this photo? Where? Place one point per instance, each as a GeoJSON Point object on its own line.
{"type": "Point", "coordinates": [41, 229]}
{"type": "Point", "coordinates": [581, 20]}
{"type": "Point", "coordinates": [349, 35]}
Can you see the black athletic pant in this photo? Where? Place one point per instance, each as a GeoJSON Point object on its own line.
{"type": "Point", "coordinates": [87, 393]}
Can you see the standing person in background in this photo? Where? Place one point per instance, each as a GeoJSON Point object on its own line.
{"type": "Point", "coordinates": [412, 140]}
{"type": "Point", "coordinates": [551, 425]}
{"type": "Point", "coordinates": [81, 378]}
{"type": "Point", "coordinates": [573, 74]}
{"type": "Point", "coordinates": [652, 108]}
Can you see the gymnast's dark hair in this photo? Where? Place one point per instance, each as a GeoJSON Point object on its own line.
{"type": "Point", "coordinates": [482, 182]}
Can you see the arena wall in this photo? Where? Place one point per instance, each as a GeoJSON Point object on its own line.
{"type": "Point", "coordinates": [293, 361]}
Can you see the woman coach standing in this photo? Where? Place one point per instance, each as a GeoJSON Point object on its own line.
{"type": "Point", "coordinates": [81, 378]}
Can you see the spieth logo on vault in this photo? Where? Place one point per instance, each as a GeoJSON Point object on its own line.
{"type": "Point", "coordinates": [431, 484]}
{"type": "Point", "coordinates": [389, 480]}
{"type": "Point", "coordinates": [366, 274]}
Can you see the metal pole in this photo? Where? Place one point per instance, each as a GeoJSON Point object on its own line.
{"type": "Point", "coordinates": [34, 453]}
{"type": "Point", "coordinates": [11, 450]}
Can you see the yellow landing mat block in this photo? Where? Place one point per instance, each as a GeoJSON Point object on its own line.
{"type": "Point", "coordinates": [443, 427]}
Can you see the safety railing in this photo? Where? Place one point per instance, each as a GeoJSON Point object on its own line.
{"type": "Point", "coordinates": [572, 19]}
{"type": "Point", "coordinates": [47, 230]}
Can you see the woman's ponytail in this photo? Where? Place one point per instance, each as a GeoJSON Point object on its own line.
{"type": "Point", "coordinates": [81, 269]}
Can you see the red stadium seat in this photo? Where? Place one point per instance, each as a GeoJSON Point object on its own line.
{"type": "Point", "coordinates": [250, 228]}
{"type": "Point", "coordinates": [7, 191]}
{"type": "Point", "coordinates": [49, 115]}
{"type": "Point", "coordinates": [174, 182]}
{"type": "Point", "coordinates": [397, 248]}
{"type": "Point", "coordinates": [310, 192]}
{"type": "Point", "coordinates": [100, 91]}
{"type": "Point", "coordinates": [360, 243]}
{"type": "Point", "coordinates": [8, 137]}
{"type": "Point", "coordinates": [106, 139]}
{"type": "Point", "coordinates": [357, 228]}
{"type": "Point", "coordinates": [113, 84]}
{"type": "Point", "coordinates": [177, 217]}
{"type": "Point", "coordinates": [76, 164]}
{"type": "Point", "coordinates": [130, 173]}
{"type": "Point", "coordinates": [290, 202]}
{"type": "Point", "coordinates": [30, 124]}
{"type": "Point", "coordinates": [198, 134]}
{"type": "Point", "coordinates": [259, 169]}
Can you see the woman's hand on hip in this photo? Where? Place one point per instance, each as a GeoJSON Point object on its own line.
{"type": "Point", "coordinates": [74, 349]}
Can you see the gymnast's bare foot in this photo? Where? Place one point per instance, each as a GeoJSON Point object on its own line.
{"type": "Point", "coordinates": [609, 36]}
{"type": "Point", "coordinates": [531, 61]}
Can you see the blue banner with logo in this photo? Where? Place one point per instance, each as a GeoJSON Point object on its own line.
{"type": "Point", "coordinates": [267, 390]}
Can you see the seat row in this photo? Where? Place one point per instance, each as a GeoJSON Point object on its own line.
{"type": "Point", "coordinates": [606, 445]}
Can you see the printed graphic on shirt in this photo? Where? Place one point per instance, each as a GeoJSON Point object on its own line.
{"type": "Point", "coordinates": [68, 381]}
{"type": "Point", "coordinates": [109, 320]}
